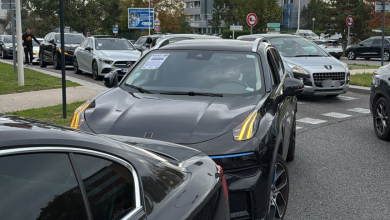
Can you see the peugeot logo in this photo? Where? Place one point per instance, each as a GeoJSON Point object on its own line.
{"type": "Point", "coordinates": [128, 64]}
{"type": "Point", "coordinates": [328, 67]}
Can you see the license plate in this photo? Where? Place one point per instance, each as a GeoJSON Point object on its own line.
{"type": "Point", "coordinates": [331, 83]}
{"type": "Point", "coordinates": [124, 70]}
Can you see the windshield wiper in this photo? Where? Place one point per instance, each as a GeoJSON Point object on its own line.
{"type": "Point", "coordinates": [139, 88]}
{"type": "Point", "coordinates": [310, 55]}
{"type": "Point", "coordinates": [192, 93]}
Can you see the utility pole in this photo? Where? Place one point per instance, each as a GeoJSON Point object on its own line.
{"type": "Point", "coordinates": [62, 58]}
{"type": "Point", "coordinates": [19, 40]}
{"type": "Point", "coordinates": [13, 37]}
{"type": "Point", "coordinates": [383, 31]}
{"type": "Point", "coordinates": [299, 14]}
{"type": "Point", "coordinates": [207, 21]}
{"type": "Point", "coordinates": [149, 17]}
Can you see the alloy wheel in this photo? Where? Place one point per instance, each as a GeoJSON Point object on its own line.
{"type": "Point", "coordinates": [381, 119]}
{"type": "Point", "coordinates": [351, 55]}
{"type": "Point", "coordinates": [279, 192]}
{"type": "Point", "coordinates": [386, 56]}
{"type": "Point", "coordinates": [95, 71]}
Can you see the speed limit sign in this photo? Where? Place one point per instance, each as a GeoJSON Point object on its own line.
{"type": "Point", "coordinates": [251, 19]}
{"type": "Point", "coordinates": [349, 21]}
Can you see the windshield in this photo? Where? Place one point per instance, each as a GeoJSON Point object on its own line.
{"type": "Point", "coordinates": [214, 72]}
{"type": "Point", "coordinates": [113, 44]}
{"type": "Point", "coordinates": [8, 39]}
{"type": "Point", "coordinates": [35, 43]}
{"type": "Point", "coordinates": [295, 47]}
{"type": "Point", "coordinates": [70, 38]}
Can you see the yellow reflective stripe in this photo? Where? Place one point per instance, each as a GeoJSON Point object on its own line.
{"type": "Point", "coordinates": [76, 125]}
{"type": "Point", "coordinates": [72, 122]}
{"type": "Point", "coordinates": [244, 127]}
{"type": "Point", "coordinates": [251, 127]}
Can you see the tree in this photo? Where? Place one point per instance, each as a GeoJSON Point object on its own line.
{"type": "Point", "coordinates": [267, 11]}
{"type": "Point", "coordinates": [376, 17]}
{"type": "Point", "coordinates": [315, 9]}
{"type": "Point", "coordinates": [218, 10]}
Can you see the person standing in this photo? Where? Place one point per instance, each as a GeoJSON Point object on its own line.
{"type": "Point", "coordinates": [27, 38]}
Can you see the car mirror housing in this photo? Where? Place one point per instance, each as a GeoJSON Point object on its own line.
{"type": "Point", "coordinates": [88, 48]}
{"type": "Point", "coordinates": [292, 87]}
{"type": "Point", "coordinates": [110, 80]}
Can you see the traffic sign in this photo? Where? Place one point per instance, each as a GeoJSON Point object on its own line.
{"type": "Point", "coordinates": [349, 21]}
{"type": "Point", "coordinates": [115, 29]}
{"type": "Point", "coordinates": [251, 19]}
{"type": "Point", "coordinates": [379, 6]}
{"type": "Point", "coordinates": [157, 21]}
{"type": "Point", "coordinates": [157, 28]}
{"type": "Point", "coordinates": [236, 28]}
{"type": "Point", "coordinates": [273, 25]}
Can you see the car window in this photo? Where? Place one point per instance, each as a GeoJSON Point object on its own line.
{"type": "Point", "coordinates": [141, 41]}
{"type": "Point", "coordinates": [113, 44]}
{"type": "Point", "coordinates": [294, 46]}
{"type": "Point", "coordinates": [278, 62]}
{"type": "Point", "coordinates": [70, 38]}
{"type": "Point", "coordinates": [39, 186]}
{"type": "Point", "coordinates": [272, 69]}
{"type": "Point", "coordinates": [8, 39]}
{"type": "Point", "coordinates": [377, 41]}
{"type": "Point", "coordinates": [198, 71]}
{"type": "Point", "coordinates": [90, 43]}
{"type": "Point", "coordinates": [109, 187]}
{"type": "Point", "coordinates": [368, 41]}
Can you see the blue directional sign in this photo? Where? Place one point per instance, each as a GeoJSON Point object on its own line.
{"type": "Point", "coordinates": [115, 29]}
{"type": "Point", "coordinates": [138, 18]}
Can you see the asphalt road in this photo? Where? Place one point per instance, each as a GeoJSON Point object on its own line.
{"type": "Point", "coordinates": [341, 169]}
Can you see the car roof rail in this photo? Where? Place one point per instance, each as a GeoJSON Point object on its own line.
{"type": "Point", "coordinates": [256, 43]}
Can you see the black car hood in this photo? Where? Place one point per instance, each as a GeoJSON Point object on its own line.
{"type": "Point", "coordinates": [177, 119]}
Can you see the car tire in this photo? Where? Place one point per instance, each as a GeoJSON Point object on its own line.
{"type": "Point", "coordinates": [381, 115]}
{"type": "Point", "coordinates": [291, 146]}
{"type": "Point", "coordinates": [76, 67]}
{"type": "Point", "coordinates": [280, 190]}
{"type": "Point", "coordinates": [95, 71]}
{"type": "Point", "coordinates": [42, 63]}
{"type": "Point", "coordinates": [351, 55]}
{"type": "Point", "coordinates": [56, 62]}
{"type": "Point", "coordinates": [338, 58]}
{"type": "Point", "coordinates": [386, 55]}
{"type": "Point", "coordinates": [3, 55]}
{"type": "Point", "coordinates": [340, 40]}
{"type": "Point", "coordinates": [367, 58]}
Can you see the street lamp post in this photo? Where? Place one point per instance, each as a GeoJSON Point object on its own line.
{"type": "Point", "coordinates": [313, 23]}
{"type": "Point", "coordinates": [299, 14]}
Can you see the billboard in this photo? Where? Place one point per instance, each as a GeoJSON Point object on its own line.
{"type": "Point", "coordinates": [138, 18]}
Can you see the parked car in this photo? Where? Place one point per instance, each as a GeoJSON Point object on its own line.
{"type": "Point", "coordinates": [50, 52]}
{"type": "Point", "coordinates": [217, 96]}
{"type": "Point", "coordinates": [321, 73]}
{"type": "Point", "coordinates": [306, 35]}
{"type": "Point", "coordinates": [132, 41]}
{"type": "Point", "coordinates": [100, 54]}
{"type": "Point", "coordinates": [369, 48]}
{"type": "Point", "coordinates": [36, 48]}
{"type": "Point", "coordinates": [313, 36]}
{"type": "Point", "coordinates": [6, 50]}
{"type": "Point", "coordinates": [53, 172]}
{"type": "Point", "coordinates": [330, 46]}
{"type": "Point", "coordinates": [380, 102]}
{"type": "Point", "coordinates": [335, 36]}
{"type": "Point", "coordinates": [145, 42]}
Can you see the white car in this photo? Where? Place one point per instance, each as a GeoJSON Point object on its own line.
{"type": "Point", "coordinates": [99, 55]}
{"type": "Point", "coordinates": [35, 51]}
{"type": "Point", "coordinates": [330, 46]}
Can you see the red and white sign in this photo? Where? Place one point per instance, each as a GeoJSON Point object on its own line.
{"type": "Point", "coordinates": [349, 21]}
{"type": "Point", "coordinates": [157, 28]}
{"type": "Point", "coordinates": [156, 21]}
{"type": "Point", "coordinates": [251, 19]}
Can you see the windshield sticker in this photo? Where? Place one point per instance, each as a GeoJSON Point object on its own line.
{"type": "Point", "coordinates": [250, 89]}
{"type": "Point", "coordinates": [250, 56]}
{"type": "Point", "coordinates": [155, 61]}
{"type": "Point", "coordinates": [100, 44]}
{"type": "Point", "coordinates": [137, 74]}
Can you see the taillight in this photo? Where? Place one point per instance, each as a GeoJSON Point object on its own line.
{"type": "Point", "coordinates": [225, 189]}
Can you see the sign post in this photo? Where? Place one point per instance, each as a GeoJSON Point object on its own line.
{"type": "Point", "coordinates": [251, 19]}
{"type": "Point", "coordinates": [382, 7]}
{"type": "Point", "coordinates": [349, 22]}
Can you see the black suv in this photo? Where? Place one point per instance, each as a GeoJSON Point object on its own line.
{"type": "Point", "coordinates": [50, 52]}
{"type": "Point", "coordinates": [231, 99]}
{"type": "Point", "coordinates": [370, 48]}
{"type": "Point", "coordinates": [6, 46]}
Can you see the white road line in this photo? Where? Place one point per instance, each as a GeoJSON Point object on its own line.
{"type": "Point", "coordinates": [346, 98]}
{"type": "Point", "coordinates": [298, 127]}
{"type": "Point", "coordinates": [312, 121]}
{"type": "Point", "coordinates": [336, 115]}
{"type": "Point", "coordinates": [360, 110]}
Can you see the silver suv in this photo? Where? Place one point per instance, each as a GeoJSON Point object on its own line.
{"type": "Point", "coordinates": [101, 54]}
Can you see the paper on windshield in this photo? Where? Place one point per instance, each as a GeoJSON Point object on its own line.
{"type": "Point", "coordinates": [155, 61]}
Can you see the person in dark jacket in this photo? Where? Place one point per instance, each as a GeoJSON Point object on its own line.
{"type": "Point", "coordinates": [28, 45]}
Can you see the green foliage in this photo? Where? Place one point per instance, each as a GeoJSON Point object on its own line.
{"type": "Point", "coordinates": [218, 10]}
{"type": "Point", "coordinates": [228, 34]}
{"type": "Point", "coordinates": [363, 79]}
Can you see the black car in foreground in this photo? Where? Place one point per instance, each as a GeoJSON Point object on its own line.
{"type": "Point", "coordinates": [50, 51]}
{"type": "Point", "coordinates": [230, 99]}
{"type": "Point", "coordinates": [380, 102]}
{"type": "Point", "coordinates": [52, 172]}
{"type": "Point", "coordinates": [370, 48]}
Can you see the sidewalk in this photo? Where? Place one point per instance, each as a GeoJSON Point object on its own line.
{"type": "Point", "coordinates": [51, 97]}
{"type": "Point", "coordinates": [360, 71]}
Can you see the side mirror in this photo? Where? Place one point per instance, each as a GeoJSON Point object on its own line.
{"type": "Point", "coordinates": [88, 48]}
{"type": "Point", "coordinates": [292, 87]}
{"type": "Point", "coordinates": [111, 79]}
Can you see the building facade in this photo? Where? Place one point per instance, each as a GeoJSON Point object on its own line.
{"type": "Point", "coordinates": [290, 13]}
{"type": "Point", "coordinates": [198, 13]}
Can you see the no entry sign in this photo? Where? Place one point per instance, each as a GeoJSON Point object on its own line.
{"type": "Point", "coordinates": [157, 28]}
{"type": "Point", "coordinates": [251, 19]}
{"type": "Point", "coordinates": [349, 21]}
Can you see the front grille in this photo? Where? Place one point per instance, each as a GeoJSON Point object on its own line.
{"type": "Point", "coordinates": [124, 64]}
{"type": "Point", "coordinates": [331, 76]}
{"type": "Point", "coordinates": [106, 70]}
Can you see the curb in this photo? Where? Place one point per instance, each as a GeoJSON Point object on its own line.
{"type": "Point", "coordinates": [360, 89]}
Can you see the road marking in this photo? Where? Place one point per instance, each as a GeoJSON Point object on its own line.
{"type": "Point", "coordinates": [336, 115]}
{"type": "Point", "coordinates": [312, 121]}
{"type": "Point", "coordinates": [360, 110]}
{"type": "Point", "coordinates": [347, 98]}
{"type": "Point", "coordinates": [298, 127]}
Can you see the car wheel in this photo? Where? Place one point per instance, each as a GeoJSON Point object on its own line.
{"type": "Point", "coordinates": [386, 56]}
{"type": "Point", "coordinates": [351, 55]}
{"type": "Point", "coordinates": [340, 40]}
{"type": "Point", "coordinates": [95, 71]}
{"type": "Point", "coordinates": [279, 190]}
{"type": "Point", "coordinates": [56, 62]}
{"type": "Point", "coordinates": [4, 55]}
{"type": "Point", "coordinates": [76, 67]}
{"type": "Point", "coordinates": [42, 63]}
{"type": "Point", "coordinates": [381, 119]}
{"type": "Point", "coordinates": [367, 58]}
{"type": "Point", "coordinates": [291, 146]}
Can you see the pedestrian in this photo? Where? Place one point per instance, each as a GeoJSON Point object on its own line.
{"type": "Point", "coordinates": [28, 46]}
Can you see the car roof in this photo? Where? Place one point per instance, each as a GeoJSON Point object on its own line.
{"type": "Point", "coordinates": [270, 36]}
{"type": "Point", "coordinates": [191, 35]}
{"type": "Point", "coordinates": [210, 44]}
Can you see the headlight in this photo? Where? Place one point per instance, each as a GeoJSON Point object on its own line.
{"type": "Point", "coordinates": [297, 69]}
{"type": "Point", "coordinates": [247, 129]}
{"type": "Point", "coordinates": [7, 48]}
{"type": "Point", "coordinates": [106, 61]}
{"type": "Point", "coordinates": [59, 50]}
{"type": "Point", "coordinates": [78, 117]}
{"type": "Point", "coordinates": [346, 67]}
